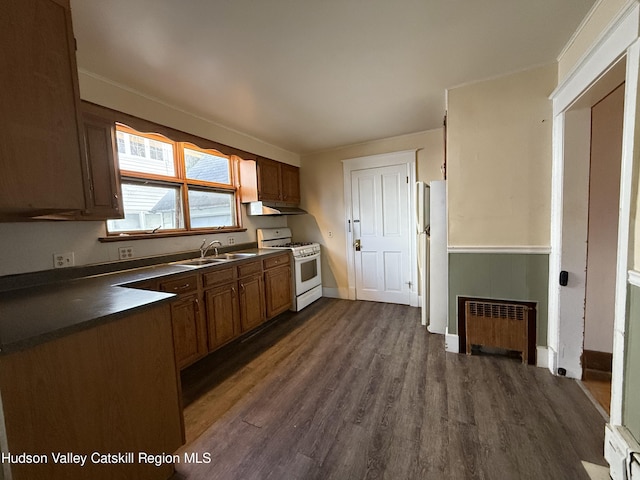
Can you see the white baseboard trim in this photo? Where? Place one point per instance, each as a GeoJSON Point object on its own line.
{"type": "Point", "coordinates": [552, 360]}
{"type": "Point", "coordinates": [542, 357]}
{"type": "Point", "coordinates": [414, 299]}
{"type": "Point", "coordinates": [451, 342]}
{"type": "Point", "coordinates": [342, 293]}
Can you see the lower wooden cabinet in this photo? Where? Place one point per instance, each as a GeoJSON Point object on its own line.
{"type": "Point", "coordinates": [187, 321]}
{"type": "Point", "coordinates": [217, 305]}
{"type": "Point", "coordinates": [277, 285]}
{"type": "Point", "coordinates": [189, 334]}
{"type": "Point", "coordinates": [112, 388]}
{"type": "Point", "coordinates": [252, 312]}
{"type": "Point", "coordinates": [223, 314]}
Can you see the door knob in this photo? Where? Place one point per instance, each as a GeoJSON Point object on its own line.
{"type": "Point", "coordinates": [356, 244]}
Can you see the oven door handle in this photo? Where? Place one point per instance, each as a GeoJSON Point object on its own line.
{"type": "Point", "coordinates": [308, 257]}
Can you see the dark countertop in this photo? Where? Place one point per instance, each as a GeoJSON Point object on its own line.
{"type": "Point", "coordinates": [33, 315]}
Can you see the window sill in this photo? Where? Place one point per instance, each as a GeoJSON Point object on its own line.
{"type": "Point", "coordinates": [126, 237]}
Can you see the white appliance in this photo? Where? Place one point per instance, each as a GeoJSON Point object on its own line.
{"type": "Point", "coordinates": [422, 206]}
{"type": "Point", "coordinates": [438, 258]}
{"type": "Point", "coordinates": [422, 228]}
{"type": "Point", "coordinates": [307, 274]}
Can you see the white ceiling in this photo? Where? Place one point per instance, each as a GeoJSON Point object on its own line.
{"type": "Point", "coordinates": [309, 75]}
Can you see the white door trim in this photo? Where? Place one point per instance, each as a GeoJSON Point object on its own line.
{"type": "Point", "coordinates": [619, 40]}
{"type": "Point", "coordinates": [405, 157]}
{"type": "Point", "coordinates": [624, 230]}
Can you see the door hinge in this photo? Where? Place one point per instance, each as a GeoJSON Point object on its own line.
{"type": "Point", "coordinates": [407, 179]}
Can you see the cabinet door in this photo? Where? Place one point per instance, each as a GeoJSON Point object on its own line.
{"type": "Point", "coordinates": [223, 314]}
{"type": "Point", "coordinates": [277, 286]}
{"type": "Point", "coordinates": [189, 336]}
{"type": "Point", "coordinates": [252, 312]}
{"type": "Point", "coordinates": [290, 184]}
{"type": "Point", "coordinates": [102, 177]}
{"type": "Point", "coordinates": [269, 180]}
{"type": "Point", "coordinates": [40, 129]}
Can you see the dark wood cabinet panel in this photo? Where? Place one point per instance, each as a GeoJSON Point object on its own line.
{"type": "Point", "coordinates": [290, 184]}
{"type": "Point", "coordinates": [189, 336]}
{"type": "Point", "coordinates": [277, 286]}
{"type": "Point", "coordinates": [103, 198]}
{"type": "Point", "coordinates": [112, 388]}
{"type": "Point", "coordinates": [41, 148]}
{"type": "Point", "coordinates": [252, 312]}
{"type": "Point", "coordinates": [189, 327]}
{"type": "Point", "coordinates": [223, 314]}
{"type": "Point", "coordinates": [269, 180]}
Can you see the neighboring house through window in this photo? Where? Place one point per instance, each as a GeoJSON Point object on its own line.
{"type": "Point", "coordinates": [172, 186]}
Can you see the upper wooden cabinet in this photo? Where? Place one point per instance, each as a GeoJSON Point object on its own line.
{"type": "Point", "coordinates": [103, 197]}
{"type": "Point", "coordinates": [290, 176]}
{"type": "Point", "coordinates": [269, 181]}
{"type": "Point", "coordinates": [41, 147]}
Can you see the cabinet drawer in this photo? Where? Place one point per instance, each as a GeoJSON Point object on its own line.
{"type": "Point", "coordinates": [249, 269]}
{"type": "Point", "coordinates": [180, 285]}
{"type": "Point", "coordinates": [278, 261]}
{"type": "Point", "coordinates": [223, 275]}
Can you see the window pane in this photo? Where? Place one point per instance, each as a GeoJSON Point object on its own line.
{"type": "Point", "coordinates": [211, 209]}
{"type": "Point", "coordinates": [207, 167]}
{"type": "Point", "coordinates": [140, 154]}
{"type": "Point", "coordinates": [147, 207]}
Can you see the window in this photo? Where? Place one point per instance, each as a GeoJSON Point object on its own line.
{"type": "Point", "coordinates": [172, 186]}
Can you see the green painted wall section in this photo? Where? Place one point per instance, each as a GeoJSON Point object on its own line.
{"type": "Point", "coordinates": [631, 399]}
{"type": "Point", "coordinates": [504, 276]}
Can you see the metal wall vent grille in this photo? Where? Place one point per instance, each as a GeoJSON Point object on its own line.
{"type": "Point", "coordinates": [497, 310]}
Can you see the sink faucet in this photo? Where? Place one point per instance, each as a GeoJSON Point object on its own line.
{"type": "Point", "coordinates": [204, 250]}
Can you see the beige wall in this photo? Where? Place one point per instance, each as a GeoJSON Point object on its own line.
{"type": "Point", "coordinates": [600, 16]}
{"type": "Point", "coordinates": [323, 196]}
{"type": "Point", "coordinates": [98, 90]}
{"type": "Point", "coordinates": [499, 160]}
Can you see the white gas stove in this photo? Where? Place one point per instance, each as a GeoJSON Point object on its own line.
{"type": "Point", "coordinates": [306, 271]}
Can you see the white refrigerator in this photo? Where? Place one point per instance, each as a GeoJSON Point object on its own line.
{"type": "Point", "coordinates": [438, 263]}
{"type": "Point", "coordinates": [422, 227]}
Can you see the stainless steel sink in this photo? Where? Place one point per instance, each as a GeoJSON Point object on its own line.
{"type": "Point", "coordinates": [199, 262]}
{"type": "Point", "coordinates": [236, 256]}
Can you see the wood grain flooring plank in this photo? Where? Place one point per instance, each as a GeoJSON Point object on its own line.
{"type": "Point", "coordinates": [355, 390]}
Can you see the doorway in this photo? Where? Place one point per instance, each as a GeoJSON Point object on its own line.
{"type": "Point", "coordinates": [381, 246]}
{"type": "Point", "coordinates": [602, 243]}
{"type": "Point", "coordinates": [570, 220]}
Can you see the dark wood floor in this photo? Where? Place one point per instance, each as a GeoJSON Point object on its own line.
{"type": "Point", "coordinates": [354, 390]}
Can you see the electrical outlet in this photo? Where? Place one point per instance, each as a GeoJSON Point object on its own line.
{"type": "Point", "coordinates": [231, 241]}
{"type": "Point", "coordinates": [63, 260]}
{"type": "Point", "coordinates": [126, 253]}
{"type": "Point", "coordinates": [330, 234]}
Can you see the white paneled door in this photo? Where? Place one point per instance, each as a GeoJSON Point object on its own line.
{"type": "Point", "coordinates": [381, 233]}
